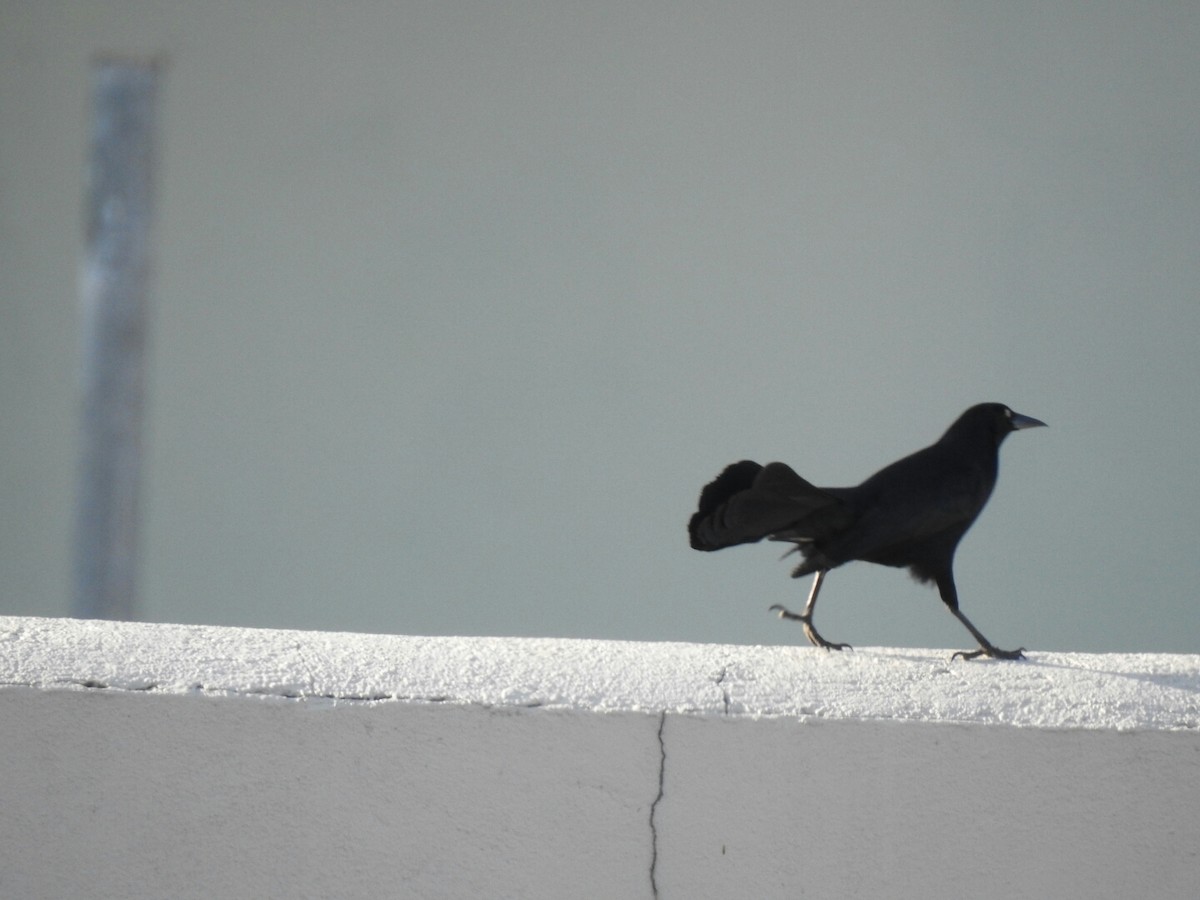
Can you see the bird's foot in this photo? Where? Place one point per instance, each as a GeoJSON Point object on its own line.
{"type": "Point", "coordinates": [814, 636]}
{"type": "Point", "coordinates": [991, 653]}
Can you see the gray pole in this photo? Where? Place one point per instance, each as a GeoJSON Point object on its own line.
{"type": "Point", "coordinates": [114, 296]}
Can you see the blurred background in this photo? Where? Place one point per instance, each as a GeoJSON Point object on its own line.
{"type": "Point", "coordinates": [458, 305]}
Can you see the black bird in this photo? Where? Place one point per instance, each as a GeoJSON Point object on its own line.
{"type": "Point", "coordinates": [911, 514]}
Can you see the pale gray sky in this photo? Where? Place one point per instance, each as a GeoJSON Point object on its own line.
{"type": "Point", "coordinates": [460, 304]}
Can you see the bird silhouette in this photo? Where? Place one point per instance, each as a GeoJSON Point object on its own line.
{"type": "Point", "coordinates": [910, 514]}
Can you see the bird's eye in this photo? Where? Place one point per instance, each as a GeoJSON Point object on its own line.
{"type": "Point", "coordinates": [1008, 413]}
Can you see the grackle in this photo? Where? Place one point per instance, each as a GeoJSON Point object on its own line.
{"type": "Point", "coordinates": [911, 514]}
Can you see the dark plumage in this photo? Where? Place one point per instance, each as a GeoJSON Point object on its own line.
{"type": "Point", "coordinates": [911, 514]}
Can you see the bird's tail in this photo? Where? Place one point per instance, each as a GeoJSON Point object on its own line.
{"type": "Point", "coordinates": [748, 502]}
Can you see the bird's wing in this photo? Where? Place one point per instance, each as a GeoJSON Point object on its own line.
{"type": "Point", "coordinates": [906, 515]}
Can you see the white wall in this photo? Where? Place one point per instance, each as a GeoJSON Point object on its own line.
{"type": "Point", "coordinates": [129, 796]}
{"type": "Point", "coordinates": [223, 787]}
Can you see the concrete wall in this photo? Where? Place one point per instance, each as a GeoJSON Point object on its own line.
{"type": "Point", "coordinates": [207, 791]}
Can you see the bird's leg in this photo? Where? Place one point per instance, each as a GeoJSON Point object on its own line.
{"type": "Point", "coordinates": [986, 648]}
{"type": "Point", "coordinates": [805, 618]}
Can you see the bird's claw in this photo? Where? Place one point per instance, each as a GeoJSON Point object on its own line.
{"type": "Point", "coordinates": [818, 641]}
{"type": "Point", "coordinates": [990, 653]}
{"type": "Point", "coordinates": [814, 636]}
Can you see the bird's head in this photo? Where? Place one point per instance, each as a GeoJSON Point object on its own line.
{"type": "Point", "coordinates": [996, 418]}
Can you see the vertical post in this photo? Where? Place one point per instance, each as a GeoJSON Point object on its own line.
{"type": "Point", "coordinates": [114, 296]}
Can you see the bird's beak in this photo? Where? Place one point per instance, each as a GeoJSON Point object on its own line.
{"type": "Point", "coordinates": [1019, 421]}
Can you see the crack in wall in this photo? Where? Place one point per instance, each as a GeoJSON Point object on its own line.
{"type": "Point", "coordinates": [281, 693]}
{"type": "Point", "coordinates": [662, 771]}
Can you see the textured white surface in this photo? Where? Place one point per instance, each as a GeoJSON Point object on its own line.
{"type": "Point", "coordinates": [147, 761]}
{"type": "Point", "coordinates": [1049, 690]}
